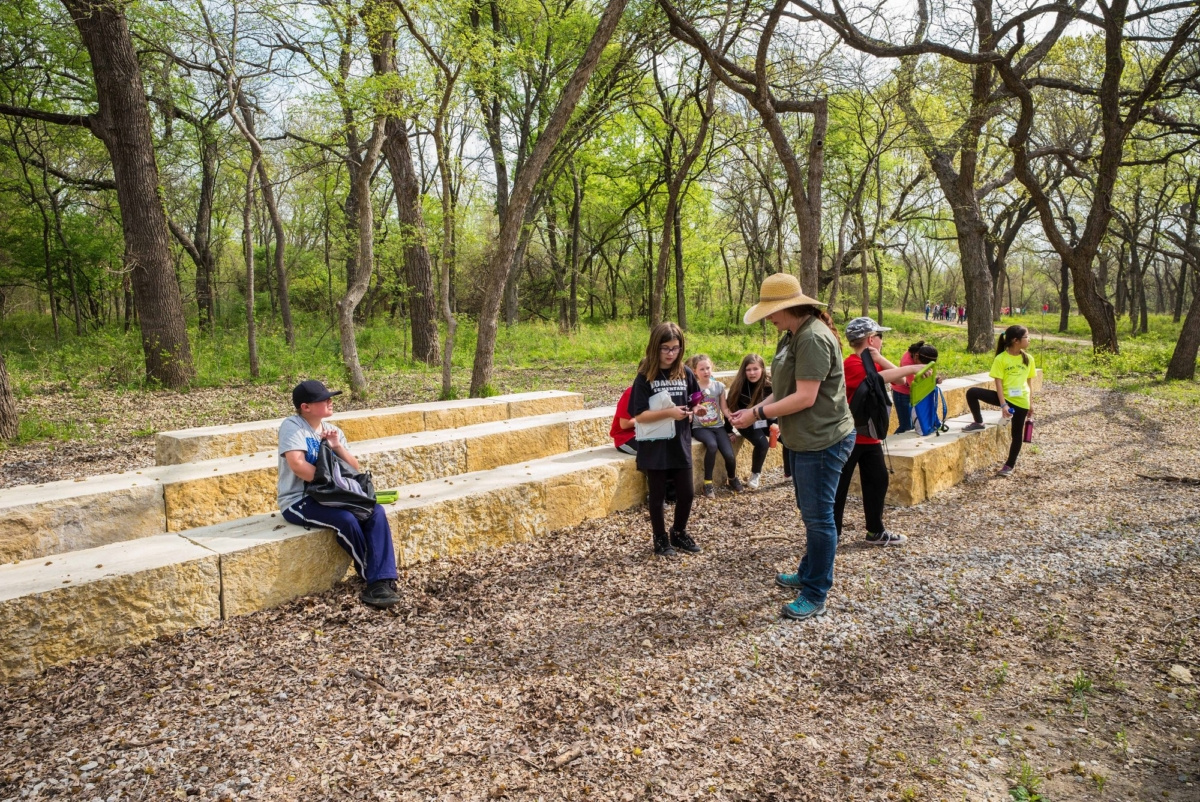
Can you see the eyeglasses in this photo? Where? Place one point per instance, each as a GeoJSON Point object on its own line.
{"type": "Point", "coordinates": [670, 349]}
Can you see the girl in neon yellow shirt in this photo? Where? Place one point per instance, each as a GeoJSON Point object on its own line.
{"type": "Point", "coordinates": [1011, 369]}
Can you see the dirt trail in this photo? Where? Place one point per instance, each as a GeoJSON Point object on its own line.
{"type": "Point", "coordinates": [1035, 335]}
{"type": "Point", "coordinates": [1048, 621]}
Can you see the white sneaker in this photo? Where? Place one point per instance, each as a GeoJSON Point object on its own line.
{"type": "Point", "coordinates": [754, 481]}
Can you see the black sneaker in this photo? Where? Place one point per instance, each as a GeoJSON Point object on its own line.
{"type": "Point", "coordinates": [974, 427]}
{"type": "Point", "coordinates": [381, 594]}
{"type": "Point", "coordinates": [682, 540]}
{"type": "Point", "coordinates": [886, 538]}
{"type": "Point", "coordinates": [735, 484]}
{"type": "Point", "coordinates": [662, 547]}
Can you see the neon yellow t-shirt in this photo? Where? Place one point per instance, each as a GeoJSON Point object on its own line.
{"type": "Point", "coordinates": [1015, 374]}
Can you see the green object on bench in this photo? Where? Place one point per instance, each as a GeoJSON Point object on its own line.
{"type": "Point", "coordinates": [923, 384]}
{"type": "Point", "coordinates": [386, 496]}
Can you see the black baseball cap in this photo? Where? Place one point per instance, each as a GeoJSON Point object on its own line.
{"type": "Point", "coordinates": [310, 392]}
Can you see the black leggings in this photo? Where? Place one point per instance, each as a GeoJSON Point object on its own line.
{"type": "Point", "coordinates": [977, 394]}
{"type": "Point", "coordinates": [714, 440]}
{"type": "Point", "coordinates": [873, 478]}
{"type": "Point", "coordinates": [760, 439]}
{"type": "Point", "coordinates": [683, 499]}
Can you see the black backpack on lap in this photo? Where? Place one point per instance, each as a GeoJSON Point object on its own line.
{"type": "Point", "coordinates": [336, 484]}
{"type": "Point", "coordinates": [871, 405]}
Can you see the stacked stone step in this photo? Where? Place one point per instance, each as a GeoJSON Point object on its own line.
{"type": "Point", "coordinates": [174, 566]}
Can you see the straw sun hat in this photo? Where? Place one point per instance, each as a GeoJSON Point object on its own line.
{"type": "Point", "coordinates": [778, 291]}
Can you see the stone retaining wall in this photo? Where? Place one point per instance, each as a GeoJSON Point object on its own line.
{"type": "Point", "coordinates": [100, 599]}
{"type": "Point", "coordinates": [59, 517]}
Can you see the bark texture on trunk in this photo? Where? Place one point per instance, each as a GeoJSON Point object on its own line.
{"type": "Point", "coordinates": [501, 262]}
{"type": "Point", "coordinates": [359, 268]}
{"type": "Point", "coordinates": [8, 406]}
{"type": "Point", "coordinates": [418, 270]}
{"type": "Point", "coordinates": [381, 22]}
{"type": "Point", "coordinates": [1187, 347]}
{"type": "Point", "coordinates": [248, 255]}
{"type": "Point", "coordinates": [122, 123]}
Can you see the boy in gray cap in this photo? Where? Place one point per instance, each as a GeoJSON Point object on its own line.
{"type": "Point", "coordinates": [368, 542]}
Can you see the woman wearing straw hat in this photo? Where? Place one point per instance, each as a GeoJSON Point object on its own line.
{"type": "Point", "coordinates": [809, 399]}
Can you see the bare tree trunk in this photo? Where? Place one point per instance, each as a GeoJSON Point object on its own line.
{"type": "Point", "coordinates": [1064, 297]}
{"type": "Point", "coordinates": [501, 263]}
{"type": "Point", "coordinates": [878, 287]}
{"type": "Point", "coordinates": [380, 20]}
{"type": "Point", "coordinates": [364, 260]}
{"type": "Point", "coordinates": [971, 233]}
{"type": "Point", "coordinates": [576, 210]}
{"type": "Point", "coordinates": [1183, 359]}
{"type": "Point", "coordinates": [8, 406]}
{"type": "Point", "coordinates": [248, 255]}
{"type": "Point", "coordinates": [417, 269]}
{"type": "Point", "coordinates": [122, 123]}
{"type": "Point", "coordinates": [680, 283]}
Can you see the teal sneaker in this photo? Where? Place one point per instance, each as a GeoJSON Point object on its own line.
{"type": "Point", "coordinates": [788, 581]}
{"type": "Point", "coordinates": [802, 609]}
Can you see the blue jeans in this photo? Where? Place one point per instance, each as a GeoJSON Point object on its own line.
{"type": "Point", "coordinates": [903, 404]}
{"type": "Point", "coordinates": [815, 475]}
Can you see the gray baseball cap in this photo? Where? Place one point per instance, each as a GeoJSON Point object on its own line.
{"type": "Point", "coordinates": [862, 327]}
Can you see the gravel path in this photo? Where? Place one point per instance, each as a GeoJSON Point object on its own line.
{"type": "Point", "coordinates": [1047, 622]}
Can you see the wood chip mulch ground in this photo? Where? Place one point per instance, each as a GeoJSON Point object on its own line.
{"type": "Point", "coordinates": [1038, 630]}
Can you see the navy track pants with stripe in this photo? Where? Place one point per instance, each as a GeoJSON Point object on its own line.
{"type": "Point", "coordinates": [369, 542]}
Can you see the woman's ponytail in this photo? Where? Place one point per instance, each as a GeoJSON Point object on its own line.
{"type": "Point", "coordinates": [915, 348]}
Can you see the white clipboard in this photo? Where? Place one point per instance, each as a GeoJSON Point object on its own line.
{"type": "Point", "coordinates": [659, 430]}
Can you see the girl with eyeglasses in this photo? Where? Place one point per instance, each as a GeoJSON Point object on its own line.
{"type": "Point", "coordinates": [668, 459]}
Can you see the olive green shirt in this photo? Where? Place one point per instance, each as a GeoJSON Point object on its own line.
{"type": "Point", "coordinates": [812, 354]}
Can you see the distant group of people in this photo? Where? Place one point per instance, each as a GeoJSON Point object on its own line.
{"type": "Point", "coordinates": [804, 403]}
{"type": "Point", "coordinates": [953, 313]}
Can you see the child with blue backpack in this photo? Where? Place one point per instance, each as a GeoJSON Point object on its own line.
{"type": "Point", "coordinates": [919, 353]}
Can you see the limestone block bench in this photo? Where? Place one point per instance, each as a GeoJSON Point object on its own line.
{"type": "Point", "coordinates": [212, 442]}
{"type": "Point", "coordinates": [924, 466]}
{"type": "Point", "coordinates": [95, 600]}
{"type": "Point", "coordinates": [60, 517]}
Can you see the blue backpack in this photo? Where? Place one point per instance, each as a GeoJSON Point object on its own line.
{"type": "Point", "coordinates": [928, 405]}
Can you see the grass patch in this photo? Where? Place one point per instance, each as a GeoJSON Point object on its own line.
{"type": "Point", "coordinates": [607, 351]}
{"type": "Point", "coordinates": [33, 428]}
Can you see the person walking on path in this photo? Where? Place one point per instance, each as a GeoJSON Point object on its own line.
{"type": "Point", "coordinates": [1011, 369]}
{"type": "Point", "coordinates": [668, 458]}
{"type": "Point", "coordinates": [866, 338]}
{"type": "Point", "coordinates": [809, 398]}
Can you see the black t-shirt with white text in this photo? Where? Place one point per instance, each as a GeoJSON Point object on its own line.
{"type": "Point", "coordinates": [665, 455]}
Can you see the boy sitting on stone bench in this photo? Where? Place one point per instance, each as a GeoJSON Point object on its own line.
{"type": "Point", "coordinates": [368, 542]}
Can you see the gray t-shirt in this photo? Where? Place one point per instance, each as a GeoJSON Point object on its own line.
{"type": "Point", "coordinates": [296, 435]}
{"type": "Point", "coordinates": [707, 414]}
